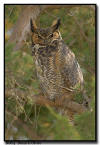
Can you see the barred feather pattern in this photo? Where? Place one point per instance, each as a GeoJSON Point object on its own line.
{"type": "Point", "coordinates": [57, 69]}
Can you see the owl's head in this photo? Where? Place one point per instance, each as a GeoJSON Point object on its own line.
{"type": "Point", "coordinates": [44, 36]}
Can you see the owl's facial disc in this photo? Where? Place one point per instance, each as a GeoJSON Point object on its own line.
{"type": "Point", "coordinates": [44, 36]}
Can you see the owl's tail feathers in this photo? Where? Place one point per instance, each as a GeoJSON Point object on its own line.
{"type": "Point", "coordinates": [86, 101]}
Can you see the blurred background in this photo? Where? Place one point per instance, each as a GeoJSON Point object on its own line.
{"type": "Point", "coordinates": [24, 120]}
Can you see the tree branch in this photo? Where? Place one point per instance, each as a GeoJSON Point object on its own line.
{"type": "Point", "coordinates": [64, 103]}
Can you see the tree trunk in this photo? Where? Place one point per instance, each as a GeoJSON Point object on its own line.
{"type": "Point", "coordinates": [22, 26]}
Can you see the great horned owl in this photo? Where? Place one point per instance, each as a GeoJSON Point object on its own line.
{"type": "Point", "coordinates": [57, 68]}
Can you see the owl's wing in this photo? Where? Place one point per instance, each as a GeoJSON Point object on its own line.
{"type": "Point", "coordinates": [70, 69]}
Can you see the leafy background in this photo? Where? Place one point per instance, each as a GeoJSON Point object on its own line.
{"type": "Point", "coordinates": [24, 119]}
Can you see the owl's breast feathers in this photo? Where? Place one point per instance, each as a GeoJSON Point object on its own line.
{"type": "Point", "coordinates": [57, 68]}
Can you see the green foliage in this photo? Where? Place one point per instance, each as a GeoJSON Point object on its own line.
{"type": "Point", "coordinates": [86, 125]}
{"type": "Point", "coordinates": [35, 122]}
{"type": "Point", "coordinates": [63, 129]}
{"type": "Point", "coordinates": [11, 14]}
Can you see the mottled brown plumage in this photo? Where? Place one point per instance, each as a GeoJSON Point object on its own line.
{"type": "Point", "coordinates": [57, 68]}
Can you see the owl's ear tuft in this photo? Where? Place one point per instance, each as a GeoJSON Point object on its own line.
{"type": "Point", "coordinates": [33, 25]}
{"type": "Point", "coordinates": [55, 25]}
